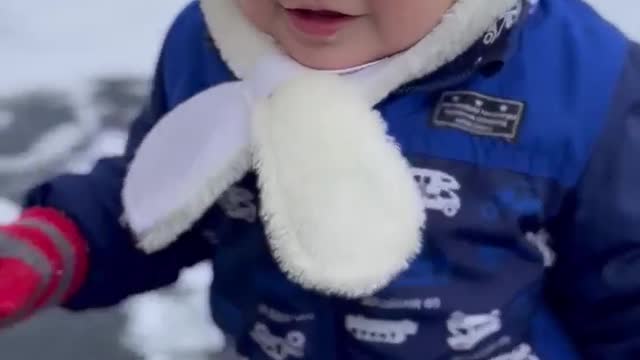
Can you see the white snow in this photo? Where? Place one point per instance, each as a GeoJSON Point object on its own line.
{"type": "Point", "coordinates": [9, 211]}
{"type": "Point", "coordinates": [65, 44]}
{"type": "Point", "coordinates": [174, 324]}
{"type": "Point", "coordinates": [106, 143]}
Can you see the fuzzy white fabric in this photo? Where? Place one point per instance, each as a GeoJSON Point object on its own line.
{"type": "Point", "coordinates": [185, 163]}
{"type": "Point", "coordinates": [195, 153]}
{"type": "Point", "coordinates": [342, 211]}
{"type": "Point", "coordinates": [303, 130]}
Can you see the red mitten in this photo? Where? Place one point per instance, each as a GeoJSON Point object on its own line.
{"type": "Point", "coordinates": [43, 261]}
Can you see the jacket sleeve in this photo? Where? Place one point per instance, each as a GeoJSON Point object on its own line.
{"type": "Point", "coordinates": [596, 283]}
{"type": "Point", "coordinates": [116, 268]}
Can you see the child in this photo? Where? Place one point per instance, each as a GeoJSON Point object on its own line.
{"type": "Point", "coordinates": [511, 125]}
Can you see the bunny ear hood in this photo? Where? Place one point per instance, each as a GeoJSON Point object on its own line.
{"type": "Point", "coordinates": [342, 211]}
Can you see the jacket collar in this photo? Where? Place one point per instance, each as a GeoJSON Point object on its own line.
{"type": "Point", "coordinates": [486, 56]}
{"type": "Point", "coordinates": [473, 34]}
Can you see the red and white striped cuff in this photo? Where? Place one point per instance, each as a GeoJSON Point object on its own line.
{"type": "Point", "coordinates": [51, 245]}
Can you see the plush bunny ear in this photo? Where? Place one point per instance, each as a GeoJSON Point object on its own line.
{"type": "Point", "coordinates": [342, 211]}
{"type": "Point", "coordinates": [185, 163]}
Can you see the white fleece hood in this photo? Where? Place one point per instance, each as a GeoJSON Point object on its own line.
{"type": "Point", "coordinates": [342, 212]}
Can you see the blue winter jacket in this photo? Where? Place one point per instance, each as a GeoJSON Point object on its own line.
{"type": "Point", "coordinates": [526, 151]}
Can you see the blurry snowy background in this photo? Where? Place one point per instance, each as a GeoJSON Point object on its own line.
{"type": "Point", "coordinates": [72, 75]}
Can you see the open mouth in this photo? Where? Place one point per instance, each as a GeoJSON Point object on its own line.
{"type": "Point", "coordinates": [318, 23]}
{"type": "Point", "coordinates": [319, 15]}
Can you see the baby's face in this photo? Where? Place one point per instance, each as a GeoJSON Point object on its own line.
{"type": "Point", "coordinates": [336, 34]}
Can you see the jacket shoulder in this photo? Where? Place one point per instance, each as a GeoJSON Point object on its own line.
{"type": "Point", "coordinates": [567, 69]}
{"type": "Point", "coordinates": [190, 62]}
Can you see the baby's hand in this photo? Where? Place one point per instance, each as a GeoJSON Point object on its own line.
{"type": "Point", "coordinates": [42, 262]}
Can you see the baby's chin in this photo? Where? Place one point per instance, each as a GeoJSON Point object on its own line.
{"type": "Point", "coordinates": [329, 56]}
{"type": "Point", "coordinates": [333, 54]}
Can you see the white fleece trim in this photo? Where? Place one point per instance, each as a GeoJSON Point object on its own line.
{"type": "Point", "coordinates": [241, 44]}
{"type": "Point", "coordinates": [184, 164]}
{"type": "Point", "coordinates": [460, 28]}
{"type": "Point", "coordinates": [342, 211]}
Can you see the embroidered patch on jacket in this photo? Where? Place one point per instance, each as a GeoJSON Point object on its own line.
{"type": "Point", "coordinates": [479, 114]}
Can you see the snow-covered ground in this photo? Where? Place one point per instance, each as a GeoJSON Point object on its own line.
{"type": "Point", "coordinates": [174, 323]}
{"type": "Point", "coordinates": [67, 43]}
{"type": "Point", "coordinates": [71, 53]}
{"type": "Point", "coordinates": [72, 73]}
